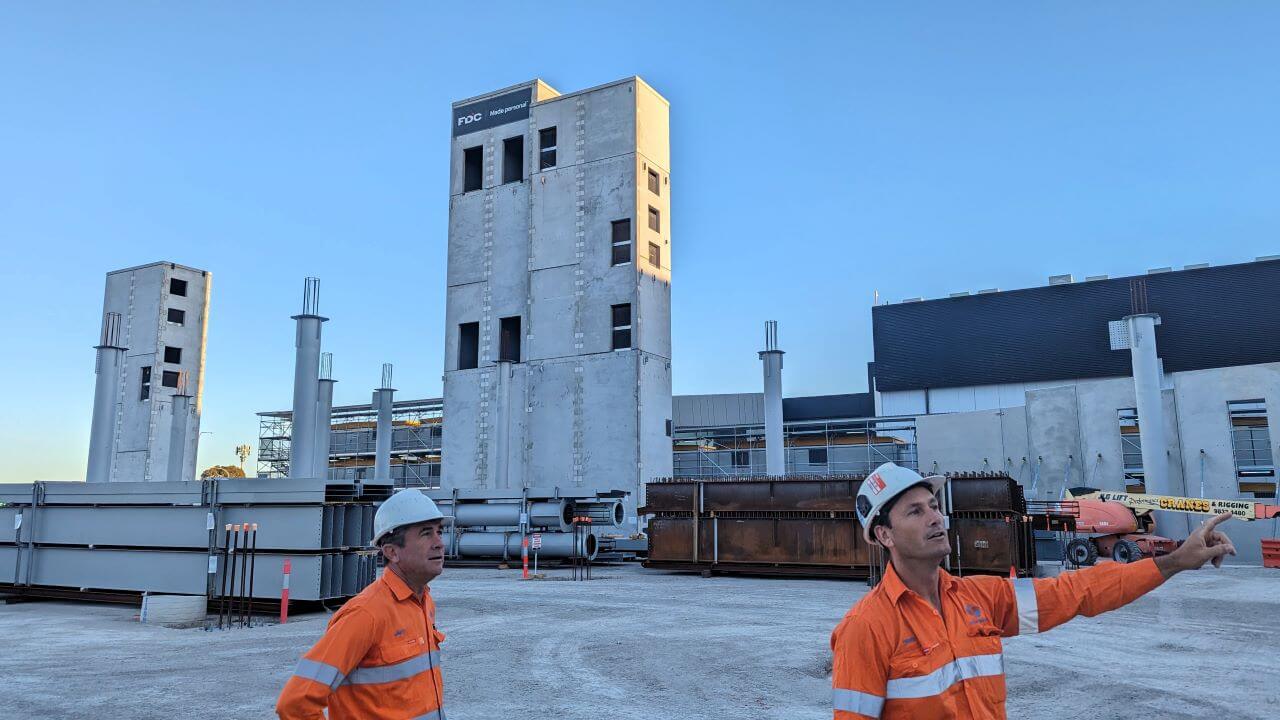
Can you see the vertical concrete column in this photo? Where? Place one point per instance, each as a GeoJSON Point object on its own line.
{"type": "Point", "coordinates": [178, 431]}
{"type": "Point", "coordinates": [306, 382]}
{"type": "Point", "coordinates": [106, 396]}
{"type": "Point", "coordinates": [382, 401]}
{"type": "Point", "coordinates": [775, 457]}
{"type": "Point", "coordinates": [324, 414]}
{"type": "Point", "coordinates": [1155, 449]}
{"type": "Point", "coordinates": [502, 428]}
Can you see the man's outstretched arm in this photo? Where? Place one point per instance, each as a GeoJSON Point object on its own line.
{"type": "Point", "coordinates": [1038, 605]}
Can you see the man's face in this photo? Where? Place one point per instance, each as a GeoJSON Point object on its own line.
{"type": "Point", "coordinates": [917, 531]}
{"type": "Point", "coordinates": [423, 553]}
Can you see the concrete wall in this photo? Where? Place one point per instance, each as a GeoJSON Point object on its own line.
{"type": "Point", "coordinates": [986, 440]}
{"type": "Point", "coordinates": [142, 433]}
{"type": "Point", "coordinates": [1069, 435]}
{"type": "Point", "coordinates": [580, 413]}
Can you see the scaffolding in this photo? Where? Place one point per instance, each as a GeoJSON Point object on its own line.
{"type": "Point", "coordinates": [851, 446]}
{"type": "Point", "coordinates": [415, 443]}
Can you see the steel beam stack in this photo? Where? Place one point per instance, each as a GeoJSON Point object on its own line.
{"type": "Point", "coordinates": [807, 525]}
{"type": "Point", "coordinates": [99, 539]}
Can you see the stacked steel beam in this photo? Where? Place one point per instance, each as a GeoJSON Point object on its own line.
{"type": "Point", "coordinates": [119, 539]}
{"type": "Point", "coordinates": [807, 525]}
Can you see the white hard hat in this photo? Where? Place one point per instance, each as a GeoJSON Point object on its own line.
{"type": "Point", "coordinates": [884, 484]}
{"type": "Point", "coordinates": [406, 507]}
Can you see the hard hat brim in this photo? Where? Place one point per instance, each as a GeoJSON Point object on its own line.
{"type": "Point", "coordinates": [376, 542]}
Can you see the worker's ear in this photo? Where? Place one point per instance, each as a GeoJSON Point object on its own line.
{"type": "Point", "coordinates": [884, 535]}
{"type": "Point", "coordinates": [390, 552]}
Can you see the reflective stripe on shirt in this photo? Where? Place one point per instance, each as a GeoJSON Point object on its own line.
{"type": "Point", "coordinates": [322, 673]}
{"type": "Point", "coordinates": [391, 673]}
{"type": "Point", "coordinates": [1024, 593]}
{"type": "Point", "coordinates": [858, 702]}
{"type": "Point", "coordinates": [941, 680]}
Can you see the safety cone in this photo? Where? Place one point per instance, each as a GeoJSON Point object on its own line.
{"type": "Point", "coordinates": [1013, 573]}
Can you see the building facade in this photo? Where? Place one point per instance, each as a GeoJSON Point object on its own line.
{"type": "Point", "coordinates": [557, 328]}
{"type": "Point", "coordinates": [162, 313]}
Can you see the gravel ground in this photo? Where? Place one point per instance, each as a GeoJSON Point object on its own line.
{"type": "Point", "coordinates": [644, 644]}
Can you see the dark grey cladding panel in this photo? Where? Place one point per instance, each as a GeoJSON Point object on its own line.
{"type": "Point", "coordinates": [828, 407]}
{"type": "Point", "coordinates": [1210, 317]}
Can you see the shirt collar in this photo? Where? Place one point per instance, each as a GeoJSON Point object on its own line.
{"type": "Point", "coordinates": [397, 586]}
{"type": "Point", "coordinates": [895, 588]}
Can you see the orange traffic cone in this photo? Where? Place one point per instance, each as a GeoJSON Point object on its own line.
{"type": "Point", "coordinates": [1013, 573]}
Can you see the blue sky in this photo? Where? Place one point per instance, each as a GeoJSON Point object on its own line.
{"type": "Point", "coordinates": [820, 152]}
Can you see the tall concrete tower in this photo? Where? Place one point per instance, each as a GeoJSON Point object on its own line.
{"type": "Point", "coordinates": [558, 311]}
{"type": "Point", "coordinates": [162, 319]}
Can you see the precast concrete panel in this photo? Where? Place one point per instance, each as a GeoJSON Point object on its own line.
{"type": "Point", "coordinates": [551, 421]}
{"type": "Point", "coordinates": [553, 212]}
{"type": "Point", "coordinates": [1053, 427]}
{"type": "Point", "coordinates": [551, 314]}
{"type": "Point", "coordinates": [563, 114]}
{"type": "Point", "coordinates": [458, 453]}
{"type": "Point", "coordinates": [609, 122]}
{"type": "Point", "coordinates": [465, 305]}
{"type": "Point", "coordinates": [653, 298]}
{"type": "Point", "coordinates": [655, 414]}
{"type": "Point", "coordinates": [466, 239]}
{"type": "Point", "coordinates": [653, 138]}
{"type": "Point", "coordinates": [608, 194]}
{"type": "Point", "coordinates": [611, 437]}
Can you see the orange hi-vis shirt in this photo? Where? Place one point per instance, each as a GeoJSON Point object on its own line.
{"type": "Point", "coordinates": [896, 657]}
{"type": "Point", "coordinates": [379, 658]}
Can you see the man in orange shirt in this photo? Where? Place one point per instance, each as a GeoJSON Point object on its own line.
{"type": "Point", "coordinates": [380, 656]}
{"type": "Point", "coordinates": [924, 644]}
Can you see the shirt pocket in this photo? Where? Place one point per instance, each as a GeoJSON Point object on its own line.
{"type": "Point", "coordinates": [390, 653]}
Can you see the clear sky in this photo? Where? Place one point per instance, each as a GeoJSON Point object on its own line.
{"type": "Point", "coordinates": [820, 152]}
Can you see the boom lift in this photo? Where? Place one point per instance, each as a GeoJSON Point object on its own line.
{"type": "Point", "coordinates": [1121, 525]}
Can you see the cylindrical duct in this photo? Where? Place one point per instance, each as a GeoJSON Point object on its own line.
{"type": "Point", "coordinates": [324, 413]}
{"type": "Point", "coordinates": [609, 512]}
{"type": "Point", "coordinates": [106, 393]}
{"type": "Point", "coordinates": [775, 457]}
{"type": "Point", "coordinates": [1146, 385]}
{"type": "Point", "coordinates": [556, 514]}
{"type": "Point", "coordinates": [383, 398]}
{"type": "Point", "coordinates": [178, 432]}
{"type": "Point", "coordinates": [306, 382]}
{"type": "Point", "coordinates": [502, 426]}
{"type": "Point", "coordinates": [506, 545]}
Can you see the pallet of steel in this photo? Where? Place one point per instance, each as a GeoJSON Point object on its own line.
{"type": "Point", "coordinates": [807, 525]}
{"type": "Point", "coordinates": [757, 525]}
{"type": "Point", "coordinates": [985, 491]}
{"type": "Point", "coordinates": [169, 537]}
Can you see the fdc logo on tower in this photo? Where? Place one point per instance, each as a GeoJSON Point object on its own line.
{"type": "Point", "coordinates": [492, 112]}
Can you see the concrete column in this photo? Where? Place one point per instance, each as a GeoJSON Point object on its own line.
{"type": "Point", "coordinates": [306, 383]}
{"type": "Point", "coordinates": [382, 402]}
{"type": "Point", "coordinates": [502, 429]}
{"type": "Point", "coordinates": [106, 396]}
{"type": "Point", "coordinates": [1155, 449]}
{"type": "Point", "coordinates": [324, 414]}
{"type": "Point", "coordinates": [178, 433]}
{"type": "Point", "coordinates": [775, 456]}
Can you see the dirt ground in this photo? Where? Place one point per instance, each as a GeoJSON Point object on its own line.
{"type": "Point", "coordinates": [639, 644]}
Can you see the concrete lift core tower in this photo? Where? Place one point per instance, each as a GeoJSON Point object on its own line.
{"type": "Point", "coordinates": [558, 309]}
{"type": "Point", "coordinates": [153, 342]}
